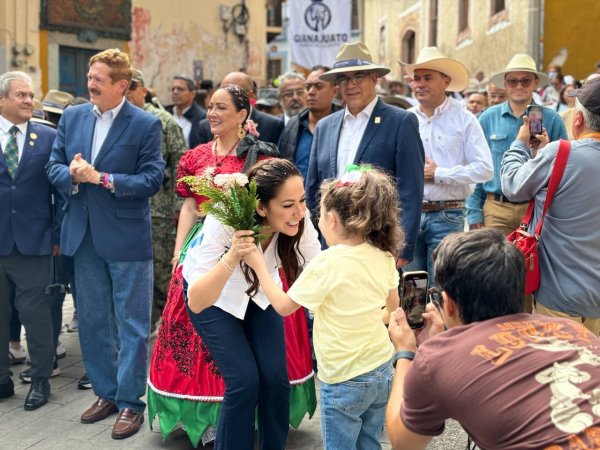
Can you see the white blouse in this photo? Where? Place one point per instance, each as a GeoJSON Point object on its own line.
{"type": "Point", "coordinates": [214, 240]}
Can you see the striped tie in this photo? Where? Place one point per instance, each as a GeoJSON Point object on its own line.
{"type": "Point", "coordinates": [11, 152]}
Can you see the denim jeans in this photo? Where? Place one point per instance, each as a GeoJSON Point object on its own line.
{"type": "Point", "coordinates": [114, 300]}
{"type": "Point", "coordinates": [353, 411]}
{"type": "Point", "coordinates": [435, 226]}
{"type": "Point", "coordinates": [250, 355]}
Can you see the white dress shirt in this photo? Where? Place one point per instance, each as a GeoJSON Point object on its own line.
{"type": "Point", "coordinates": [104, 121]}
{"type": "Point", "coordinates": [5, 127]}
{"type": "Point", "coordinates": [353, 128]}
{"type": "Point", "coordinates": [184, 124]}
{"type": "Point", "coordinates": [213, 241]}
{"type": "Point", "coordinates": [454, 141]}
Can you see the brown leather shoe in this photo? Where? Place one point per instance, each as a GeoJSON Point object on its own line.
{"type": "Point", "coordinates": [101, 409]}
{"type": "Point", "coordinates": [128, 423]}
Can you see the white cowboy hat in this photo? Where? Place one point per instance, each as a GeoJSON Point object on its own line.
{"type": "Point", "coordinates": [520, 63]}
{"type": "Point", "coordinates": [353, 58]}
{"type": "Point", "coordinates": [431, 58]}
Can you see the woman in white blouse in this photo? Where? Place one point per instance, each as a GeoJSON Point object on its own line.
{"type": "Point", "coordinates": [244, 334]}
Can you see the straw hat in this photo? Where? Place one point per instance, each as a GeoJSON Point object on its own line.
{"type": "Point", "coordinates": [520, 63]}
{"type": "Point", "coordinates": [56, 101]}
{"type": "Point", "coordinates": [353, 57]}
{"type": "Point", "coordinates": [431, 58]}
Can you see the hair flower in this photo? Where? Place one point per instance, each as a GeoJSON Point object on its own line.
{"type": "Point", "coordinates": [250, 127]}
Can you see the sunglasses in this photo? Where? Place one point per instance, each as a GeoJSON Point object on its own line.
{"type": "Point", "coordinates": [514, 82]}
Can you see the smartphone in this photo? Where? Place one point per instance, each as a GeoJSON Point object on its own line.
{"type": "Point", "coordinates": [535, 114]}
{"type": "Point", "coordinates": [413, 296]}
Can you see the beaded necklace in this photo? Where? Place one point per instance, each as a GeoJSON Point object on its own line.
{"type": "Point", "coordinates": [219, 162]}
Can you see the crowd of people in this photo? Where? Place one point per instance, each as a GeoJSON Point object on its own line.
{"type": "Point", "coordinates": [358, 178]}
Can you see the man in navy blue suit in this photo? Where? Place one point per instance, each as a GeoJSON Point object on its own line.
{"type": "Point", "coordinates": [107, 159]}
{"type": "Point", "coordinates": [368, 131]}
{"type": "Point", "coordinates": [28, 235]}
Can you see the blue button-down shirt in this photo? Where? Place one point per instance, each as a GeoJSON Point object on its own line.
{"type": "Point", "coordinates": [501, 127]}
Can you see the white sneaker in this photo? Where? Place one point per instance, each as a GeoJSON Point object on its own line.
{"type": "Point", "coordinates": [17, 356]}
{"type": "Point", "coordinates": [61, 352]}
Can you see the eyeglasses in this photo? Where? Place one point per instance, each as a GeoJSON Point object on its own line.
{"type": "Point", "coordinates": [513, 82]}
{"type": "Point", "coordinates": [179, 89]}
{"type": "Point", "coordinates": [357, 78]}
{"type": "Point", "coordinates": [297, 92]}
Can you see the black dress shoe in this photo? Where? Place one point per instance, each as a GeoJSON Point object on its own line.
{"type": "Point", "coordinates": [38, 395]}
{"type": "Point", "coordinates": [7, 389]}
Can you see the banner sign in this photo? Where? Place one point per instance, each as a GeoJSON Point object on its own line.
{"type": "Point", "coordinates": [317, 29]}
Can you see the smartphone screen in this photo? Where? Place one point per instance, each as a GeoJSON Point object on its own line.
{"type": "Point", "coordinates": [413, 295]}
{"type": "Point", "coordinates": [535, 114]}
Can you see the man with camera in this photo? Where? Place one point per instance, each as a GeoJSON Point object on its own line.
{"type": "Point", "coordinates": [569, 246]}
{"type": "Point", "coordinates": [488, 206]}
{"type": "Point", "coordinates": [512, 380]}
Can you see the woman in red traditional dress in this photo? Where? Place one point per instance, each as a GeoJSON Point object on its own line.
{"type": "Point", "coordinates": [185, 387]}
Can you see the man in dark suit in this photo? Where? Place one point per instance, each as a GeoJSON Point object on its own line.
{"type": "Point", "coordinates": [29, 236]}
{"type": "Point", "coordinates": [107, 159]}
{"type": "Point", "coordinates": [369, 131]}
{"type": "Point", "coordinates": [296, 138]}
{"type": "Point", "coordinates": [269, 127]}
{"type": "Point", "coordinates": [186, 112]}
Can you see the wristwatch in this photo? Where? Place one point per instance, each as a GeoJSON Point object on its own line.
{"type": "Point", "coordinates": [404, 354]}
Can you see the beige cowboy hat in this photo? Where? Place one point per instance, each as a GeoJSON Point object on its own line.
{"type": "Point", "coordinates": [353, 58]}
{"type": "Point", "coordinates": [431, 58]}
{"type": "Point", "coordinates": [520, 63]}
{"type": "Point", "coordinates": [56, 101]}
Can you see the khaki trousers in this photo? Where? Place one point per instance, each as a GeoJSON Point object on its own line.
{"type": "Point", "coordinates": [506, 218]}
{"type": "Point", "coordinates": [592, 324]}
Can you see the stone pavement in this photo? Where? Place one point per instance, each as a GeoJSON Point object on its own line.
{"type": "Point", "coordinates": [57, 426]}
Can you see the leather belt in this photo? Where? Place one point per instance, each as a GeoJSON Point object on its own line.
{"type": "Point", "coordinates": [442, 205]}
{"type": "Point", "coordinates": [502, 199]}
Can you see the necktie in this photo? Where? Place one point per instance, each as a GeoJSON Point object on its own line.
{"type": "Point", "coordinates": [11, 152]}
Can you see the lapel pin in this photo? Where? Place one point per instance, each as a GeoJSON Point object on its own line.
{"type": "Point", "coordinates": [31, 143]}
{"type": "Point", "coordinates": [33, 136]}
{"type": "Point", "coordinates": [377, 119]}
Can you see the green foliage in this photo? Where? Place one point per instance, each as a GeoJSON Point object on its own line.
{"type": "Point", "coordinates": [231, 204]}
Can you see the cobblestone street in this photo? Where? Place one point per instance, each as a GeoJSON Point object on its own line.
{"type": "Point", "coordinates": [56, 425]}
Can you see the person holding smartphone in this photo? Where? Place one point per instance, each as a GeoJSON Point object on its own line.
{"type": "Point", "coordinates": [512, 380]}
{"type": "Point", "coordinates": [488, 206]}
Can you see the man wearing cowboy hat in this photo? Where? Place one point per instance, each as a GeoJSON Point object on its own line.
{"type": "Point", "coordinates": [570, 240]}
{"type": "Point", "coordinates": [368, 131]}
{"type": "Point", "coordinates": [488, 206]}
{"type": "Point", "coordinates": [456, 153]}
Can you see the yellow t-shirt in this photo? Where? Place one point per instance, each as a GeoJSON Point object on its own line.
{"type": "Point", "coordinates": [346, 287]}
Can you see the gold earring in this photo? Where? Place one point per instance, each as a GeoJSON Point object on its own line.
{"type": "Point", "coordinates": [241, 132]}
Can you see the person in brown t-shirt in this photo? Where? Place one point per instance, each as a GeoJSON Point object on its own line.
{"type": "Point", "coordinates": [514, 381]}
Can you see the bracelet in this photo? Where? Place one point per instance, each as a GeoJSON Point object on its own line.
{"type": "Point", "coordinates": [404, 354]}
{"type": "Point", "coordinates": [105, 181]}
{"type": "Point", "coordinates": [101, 183]}
{"type": "Point", "coordinates": [228, 268]}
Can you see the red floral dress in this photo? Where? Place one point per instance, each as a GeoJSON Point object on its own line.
{"type": "Point", "coordinates": [185, 387]}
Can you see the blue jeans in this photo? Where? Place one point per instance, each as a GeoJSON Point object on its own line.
{"type": "Point", "coordinates": [114, 301]}
{"type": "Point", "coordinates": [250, 355]}
{"type": "Point", "coordinates": [353, 411]}
{"type": "Point", "coordinates": [435, 226]}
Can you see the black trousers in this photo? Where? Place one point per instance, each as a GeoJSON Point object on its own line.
{"type": "Point", "coordinates": [23, 280]}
